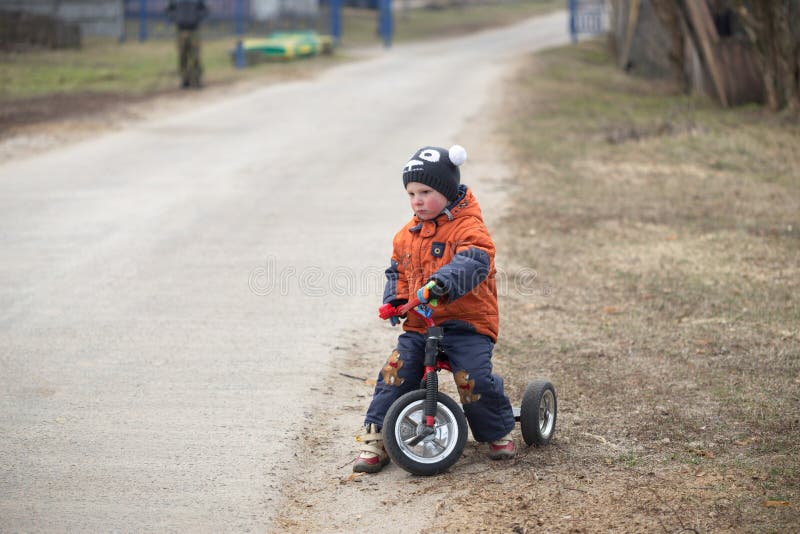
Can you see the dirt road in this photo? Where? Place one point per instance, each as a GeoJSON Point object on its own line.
{"type": "Point", "coordinates": [179, 298]}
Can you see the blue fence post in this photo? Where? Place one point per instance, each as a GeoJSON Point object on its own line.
{"type": "Point", "coordinates": [239, 23]}
{"type": "Point", "coordinates": [336, 20]}
{"type": "Point", "coordinates": [573, 25]}
{"type": "Point", "coordinates": [239, 17]}
{"type": "Point", "coordinates": [385, 24]}
{"type": "Point", "coordinates": [142, 20]}
{"type": "Point", "coordinates": [124, 32]}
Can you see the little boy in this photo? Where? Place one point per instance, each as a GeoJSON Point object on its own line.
{"type": "Point", "coordinates": [444, 256]}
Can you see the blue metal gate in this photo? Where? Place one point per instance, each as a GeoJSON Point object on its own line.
{"type": "Point", "coordinates": [147, 19]}
{"type": "Point", "coordinates": [588, 17]}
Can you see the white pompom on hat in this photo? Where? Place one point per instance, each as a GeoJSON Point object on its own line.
{"type": "Point", "coordinates": [437, 168]}
{"type": "Point", "coordinates": [457, 155]}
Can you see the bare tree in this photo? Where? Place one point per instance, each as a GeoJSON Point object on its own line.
{"type": "Point", "coordinates": [775, 33]}
{"type": "Point", "coordinates": [670, 17]}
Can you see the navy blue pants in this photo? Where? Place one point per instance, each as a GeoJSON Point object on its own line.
{"type": "Point", "coordinates": [486, 407]}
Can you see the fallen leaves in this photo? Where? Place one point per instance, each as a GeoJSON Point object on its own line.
{"type": "Point", "coordinates": [354, 477]}
{"type": "Point", "coordinates": [703, 453]}
{"type": "Point", "coordinates": [775, 504]}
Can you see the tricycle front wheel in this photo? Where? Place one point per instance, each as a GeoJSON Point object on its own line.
{"type": "Point", "coordinates": [538, 413]}
{"type": "Point", "coordinates": [432, 454]}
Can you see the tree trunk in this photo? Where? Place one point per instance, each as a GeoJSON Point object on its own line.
{"type": "Point", "coordinates": [792, 53]}
{"type": "Point", "coordinates": [774, 30]}
{"type": "Point", "coordinates": [670, 16]}
{"type": "Point", "coordinates": [757, 23]}
{"type": "Point", "coordinates": [784, 48]}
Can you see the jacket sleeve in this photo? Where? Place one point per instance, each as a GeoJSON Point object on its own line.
{"type": "Point", "coordinates": [471, 265]}
{"type": "Point", "coordinates": [396, 287]}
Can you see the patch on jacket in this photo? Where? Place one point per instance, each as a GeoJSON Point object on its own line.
{"type": "Point", "coordinates": [437, 250]}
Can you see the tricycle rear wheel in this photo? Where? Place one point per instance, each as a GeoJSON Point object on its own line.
{"type": "Point", "coordinates": [433, 454]}
{"type": "Point", "coordinates": [538, 413]}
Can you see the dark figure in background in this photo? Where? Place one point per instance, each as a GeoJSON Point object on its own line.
{"type": "Point", "coordinates": [187, 15]}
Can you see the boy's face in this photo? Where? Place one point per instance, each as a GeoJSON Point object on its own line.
{"type": "Point", "coordinates": [426, 202]}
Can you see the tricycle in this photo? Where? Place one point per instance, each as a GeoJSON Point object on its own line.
{"type": "Point", "coordinates": [425, 430]}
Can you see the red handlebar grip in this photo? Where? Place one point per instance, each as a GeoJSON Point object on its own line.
{"type": "Point", "coordinates": [387, 311]}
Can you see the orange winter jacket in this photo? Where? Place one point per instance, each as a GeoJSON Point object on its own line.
{"type": "Point", "coordinates": [456, 250]}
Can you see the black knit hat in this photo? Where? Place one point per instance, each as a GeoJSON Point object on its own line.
{"type": "Point", "coordinates": [437, 168]}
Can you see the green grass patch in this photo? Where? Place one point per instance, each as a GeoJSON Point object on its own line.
{"type": "Point", "coordinates": [133, 68]}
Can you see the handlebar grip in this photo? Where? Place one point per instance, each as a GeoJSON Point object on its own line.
{"type": "Point", "coordinates": [387, 311]}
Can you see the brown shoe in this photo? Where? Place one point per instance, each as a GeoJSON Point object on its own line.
{"type": "Point", "coordinates": [502, 449]}
{"type": "Point", "coordinates": [373, 456]}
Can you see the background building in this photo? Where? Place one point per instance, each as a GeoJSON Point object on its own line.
{"type": "Point", "coordinates": [93, 17]}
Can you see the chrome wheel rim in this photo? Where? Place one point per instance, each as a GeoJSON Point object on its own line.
{"type": "Point", "coordinates": [433, 448]}
{"type": "Point", "coordinates": [547, 415]}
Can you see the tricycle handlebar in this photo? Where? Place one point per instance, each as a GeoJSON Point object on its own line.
{"type": "Point", "coordinates": [387, 311]}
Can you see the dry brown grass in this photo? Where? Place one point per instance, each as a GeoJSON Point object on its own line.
{"type": "Point", "coordinates": [669, 232]}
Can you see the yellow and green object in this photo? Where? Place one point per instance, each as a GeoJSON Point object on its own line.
{"type": "Point", "coordinates": [287, 45]}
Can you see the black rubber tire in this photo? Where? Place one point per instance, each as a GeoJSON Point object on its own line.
{"type": "Point", "coordinates": [451, 424]}
{"type": "Point", "coordinates": [538, 413]}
